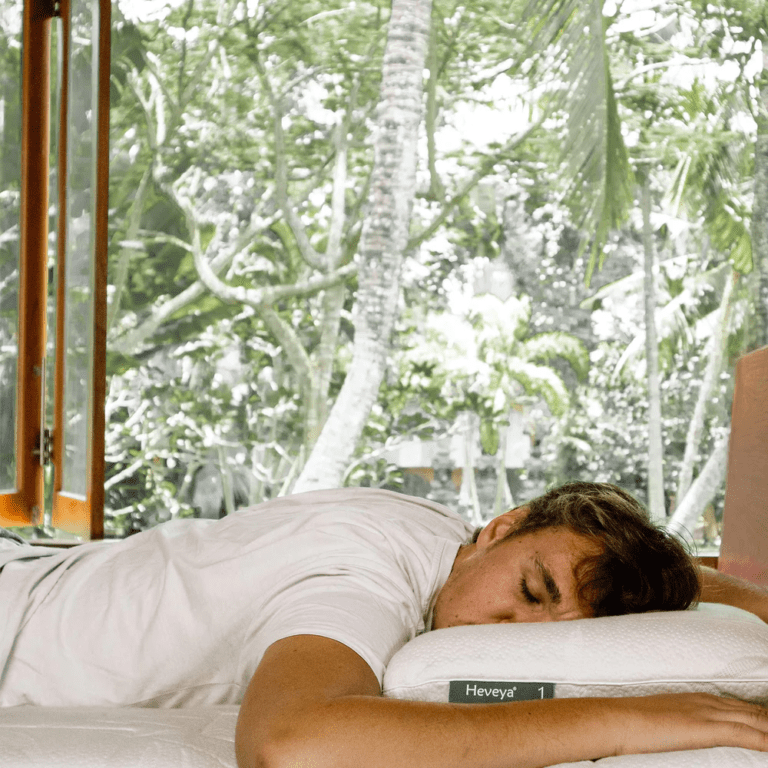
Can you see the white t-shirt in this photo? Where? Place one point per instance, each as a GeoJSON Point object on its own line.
{"type": "Point", "coordinates": [181, 615]}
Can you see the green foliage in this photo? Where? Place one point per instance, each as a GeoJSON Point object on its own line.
{"type": "Point", "coordinates": [489, 437]}
{"type": "Point", "coordinates": [684, 287]}
{"type": "Point", "coordinates": [604, 437]}
{"type": "Point", "coordinates": [214, 103]}
{"type": "Point", "coordinates": [599, 180]}
{"type": "Point", "coordinates": [545, 346]}
{"type": "Point", "coordinates": [483, 362]}
{"type": "Point", "coordinates": [208, 407]}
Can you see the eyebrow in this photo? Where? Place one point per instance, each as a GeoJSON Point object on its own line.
{"type": "Point", "coordinates": [549, 583]}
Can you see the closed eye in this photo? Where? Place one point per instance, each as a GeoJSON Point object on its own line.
{"type": "Point", "coordinates": [527, 595]}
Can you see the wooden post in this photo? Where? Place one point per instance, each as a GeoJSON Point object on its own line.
{"type": "Point", "coordinates": [744, 550]}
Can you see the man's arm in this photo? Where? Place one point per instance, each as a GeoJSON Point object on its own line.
{"type": "Point", "coordinates": [718, 587]}
{"type": "Point", "coordinates": [314, 702]}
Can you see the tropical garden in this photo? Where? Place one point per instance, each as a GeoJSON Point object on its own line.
{"type": "Point", "coordinates": [338, 228]}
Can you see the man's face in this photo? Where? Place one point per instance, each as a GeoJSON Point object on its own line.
{"type": "Point", "coordinates": [521, 579]}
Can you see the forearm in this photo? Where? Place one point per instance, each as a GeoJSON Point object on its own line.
{"type": "Point", "coordinates": [314, 703]}
{"type": "Point", "coordinates": [379, 733]}
{"type": "Point", "coordinates": [717, 587]}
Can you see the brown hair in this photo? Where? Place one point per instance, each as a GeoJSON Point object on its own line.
{"type": "Point", "coordinates": [641, 567]}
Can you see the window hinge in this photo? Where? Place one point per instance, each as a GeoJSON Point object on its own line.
{"type": "Point", "coordinates": [44, 450]}
{"type": "Point", "coordinates": [46, 9]}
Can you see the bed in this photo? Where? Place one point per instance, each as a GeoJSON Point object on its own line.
{"type": "Point", "coordinates": [714, 648]}
{"type": "Point", "coordinates": [204, 738]}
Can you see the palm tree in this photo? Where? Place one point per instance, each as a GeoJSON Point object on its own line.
{"type": "Point", "coordinates": [383, 242]}
{"type": "Point", "coordinates": [600, 170]}
{"type": "Point", "coordinates": [483, 364]}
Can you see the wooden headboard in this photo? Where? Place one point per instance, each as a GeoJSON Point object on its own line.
{"type": "Point", "coordinates": [744, 550]}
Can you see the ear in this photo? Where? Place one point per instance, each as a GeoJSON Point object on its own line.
{"type": "Point", "coordinates": [500, 526]}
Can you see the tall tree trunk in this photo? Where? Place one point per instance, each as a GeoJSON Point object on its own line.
{"type": "Point", "coordinates": [701, 492]}
{"type": "Point", "coordinates": [760, 216]}
{"type": "Point", "coordinates": [333, 302]}
{"type": "Point", "coordinates": [468, 502]}
{"type": "Point", "coordinates": [714, 357]}
{"type": "Point", "coordinates": [436, 189]}
{"type": "Point", "coordinates": [656, 504]}
{"type": "Point", "coordinates": [503, 500]}
{"type": "Point", "coordinates": [383, 242]}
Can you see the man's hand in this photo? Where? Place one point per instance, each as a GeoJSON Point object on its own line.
{"type": "Point", "coordinates": [670, 722]}
{"type": "Point", "coordinates": [717, 587]}
{"type": "Point", "coordinates": [314, 702]}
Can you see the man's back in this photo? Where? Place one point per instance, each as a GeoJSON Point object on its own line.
{"type": "Point", "coordinates": [182, 614]}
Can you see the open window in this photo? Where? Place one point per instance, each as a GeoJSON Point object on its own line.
{"type": "Point", "coordinates": [53, 188]}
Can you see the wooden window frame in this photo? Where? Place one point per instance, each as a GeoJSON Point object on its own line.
{"type": "Point", "coordinates": [25, 506]}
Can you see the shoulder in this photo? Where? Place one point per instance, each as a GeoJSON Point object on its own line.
{"type": "Point", "coordinates": [359, 509]}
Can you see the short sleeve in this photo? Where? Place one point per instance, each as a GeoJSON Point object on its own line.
{"type": "Point", "coordinates": [370, 617]}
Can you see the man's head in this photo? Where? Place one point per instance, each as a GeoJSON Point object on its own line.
{"type": "Point", "coordinates": [584, 549]}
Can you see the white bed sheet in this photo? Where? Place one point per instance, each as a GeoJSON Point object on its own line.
{"type": "Point", "coordinates": [204, 737]}
{"type": "Point", "coordinates": [102, 737]}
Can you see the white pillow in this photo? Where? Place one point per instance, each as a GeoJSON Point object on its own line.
{"type": "Point", "coordinates": [714, 649]}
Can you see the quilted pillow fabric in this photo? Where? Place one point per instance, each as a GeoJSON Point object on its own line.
{"type": "Point", "coordinates": [715, 649]}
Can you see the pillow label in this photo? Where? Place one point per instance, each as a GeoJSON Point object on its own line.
{"type": "Point", "coordinates": [489, 692]}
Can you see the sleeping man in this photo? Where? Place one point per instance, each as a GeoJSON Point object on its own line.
{"type": "Point", "coordinates": [295, 607]}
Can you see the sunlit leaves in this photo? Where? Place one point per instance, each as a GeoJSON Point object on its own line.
{"type": "Point", "coordinates": [573, 66]}
{"type": "Point", "coordinates": [485, 362]}
{"type": "Point", "coordinates": [617, 97]}
{"type": "Point", "coordinates": [546, 346]}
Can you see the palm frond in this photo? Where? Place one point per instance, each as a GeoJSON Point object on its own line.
{"type": "Point", "coordinates": [712, 167]}
{"type": "Point", "coordinates": [672, 323]}
{"type": "Point", "coordinates": [627, 285]}
{"type": "Point", "coordinates": [569, 37]}
{"type": "Point", "coordinates": [544, 382]}
{"type": "Point", "coordinates": [544, 346]}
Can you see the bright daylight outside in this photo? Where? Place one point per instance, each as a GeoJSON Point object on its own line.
{"type": "Point", "coordinates": [576, 279]}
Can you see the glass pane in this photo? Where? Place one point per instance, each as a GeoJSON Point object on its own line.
{"type": "Point", "coordinates": [10, 179]}
{"type": "Point", "coordinates": [81, 172]}
{"type": "Point", "coordinates": [207, 406]}
{"type": "Point", "coordinates": [57, 33]}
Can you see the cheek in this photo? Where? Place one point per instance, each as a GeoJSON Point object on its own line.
{"type": "Point", "coordinates": [493, 603]}
{"type": "Point", "coordinates": [465, 600]}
